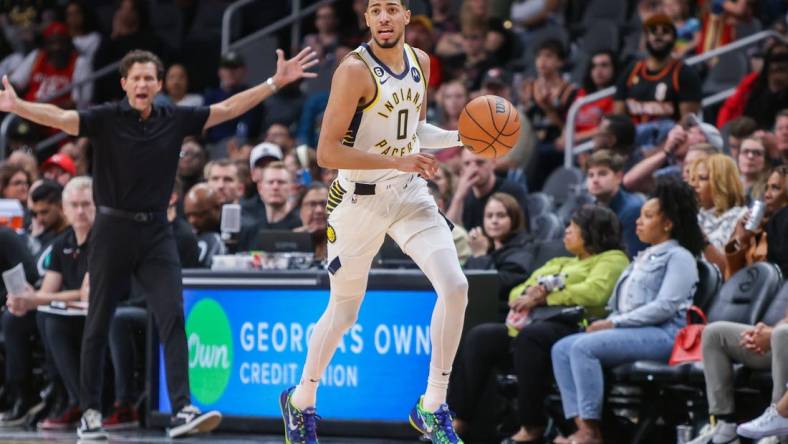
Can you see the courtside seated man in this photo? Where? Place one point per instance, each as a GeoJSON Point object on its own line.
{"type": "Point", "coordinates": [377, 127]}
{"type": "Point", "coordinates": [136, 148]}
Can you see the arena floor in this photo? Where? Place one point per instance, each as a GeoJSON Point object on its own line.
{"type": "Point", "coordinates": [156, 437]}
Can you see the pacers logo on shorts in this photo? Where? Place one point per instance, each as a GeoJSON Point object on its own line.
{"type": "Point", "coordinates": [331, 235]}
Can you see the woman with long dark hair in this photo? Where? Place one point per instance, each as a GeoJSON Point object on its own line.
{"type": "Point", "coordinates": [760, 95]}
{"type": "Point", "coordinates": [648, 307]}
{"type": "Point", "coordinates": [601, 73]}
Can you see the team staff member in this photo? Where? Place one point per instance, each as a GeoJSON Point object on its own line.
{"type": "Point", "coordinates": [135, 161]}
{"type": "Point", "coordinates": [62, 335]}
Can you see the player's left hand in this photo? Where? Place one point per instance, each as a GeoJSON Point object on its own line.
{"type": "Point", "coordinates": [296, 68]}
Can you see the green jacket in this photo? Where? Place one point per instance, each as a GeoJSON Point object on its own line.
{"type": "Point", "coordinates": [588, 282]}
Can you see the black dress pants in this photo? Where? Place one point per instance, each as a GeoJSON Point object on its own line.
{"type": "Point", "coordinates": [62, 336]}
{"type": "Point", "coordinates": [20, 332]}
{"type": "Point", "coordinates": [488, 347]}
{"type": "Point", "coordinates": [120, 248]}
{"type": "Point", "coordinates": [127, 345]}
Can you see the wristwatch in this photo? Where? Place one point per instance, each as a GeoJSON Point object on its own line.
{"type": "Point", "coordinates": [271, 84]}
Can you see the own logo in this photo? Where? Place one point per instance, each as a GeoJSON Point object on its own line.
{"type": "Point", "coordinates": [210, 350]}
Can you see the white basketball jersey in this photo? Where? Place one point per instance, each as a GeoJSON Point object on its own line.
{"type": "Point", "coordinates": [387, 124]}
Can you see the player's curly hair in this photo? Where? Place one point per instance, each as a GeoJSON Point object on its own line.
{"type": "Point", "coordinates": [599, 228]}
{"type": "Point", "coordinates": [677, 202]}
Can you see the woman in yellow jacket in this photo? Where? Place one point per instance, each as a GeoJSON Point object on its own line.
{"type": "Point", "coordinates": [587, 279]}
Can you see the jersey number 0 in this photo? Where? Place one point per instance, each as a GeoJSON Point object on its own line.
{"type": "Point", "coordinates": [402, 124]}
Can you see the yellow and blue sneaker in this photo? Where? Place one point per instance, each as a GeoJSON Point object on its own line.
{"type": "Point", "coordinates": [300, 425]}
{"type": "Point", "coordinates": [434, 425]}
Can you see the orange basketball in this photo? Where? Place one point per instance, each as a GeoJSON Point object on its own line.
{"type": "Point", "coordinates": [489, 126]}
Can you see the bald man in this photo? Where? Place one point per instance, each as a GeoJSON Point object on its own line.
{"type": "Point", "coordinates": [202, 206]}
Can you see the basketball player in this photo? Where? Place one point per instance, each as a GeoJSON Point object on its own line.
{"type": "Point", "coordinates": [136, 153]}
{"type": "Point", "coordinates": [376, 130]}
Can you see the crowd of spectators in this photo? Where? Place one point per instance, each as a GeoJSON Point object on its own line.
{"type": "Point", "coordinates": [663, 186]}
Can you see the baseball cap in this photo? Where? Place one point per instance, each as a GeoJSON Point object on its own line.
{"type": "Point", "coordinates": [231, 60]}
{"type": "Point", "coordinates": [422, 20]}
{"type": "Point", "coordinates": [713, 136]}
{"type": "Point", "coordinates": [659, 19]}
{"type": "Point", "coordinates": [55, 29]}
{"type": "Point", "coordinates": [63, 161]}
{"type": "Point", "coordinates": [497, 78]}
{"type": "Point", "coordinates": [263, 150]}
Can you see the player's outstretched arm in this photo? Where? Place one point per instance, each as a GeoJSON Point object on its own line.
{"type": "Point", "coordinates": [352, 83]}
{"type": "Point", "coordinates": [40, 113]}
{"type": "Point", "coordinates": [286, 71]}
{"type": "Point", "coordinates": [431, 136]}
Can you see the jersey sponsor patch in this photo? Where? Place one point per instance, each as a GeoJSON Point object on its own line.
{"type": "Point", "coordinates": [415, 73]}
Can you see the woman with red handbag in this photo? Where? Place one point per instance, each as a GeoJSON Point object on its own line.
{"type": "Point", "coordinates": [648, 308]}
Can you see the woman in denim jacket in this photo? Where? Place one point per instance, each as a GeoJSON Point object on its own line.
{"type": "Point", "coordinates": [648, 307]}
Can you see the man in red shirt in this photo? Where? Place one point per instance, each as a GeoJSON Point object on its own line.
{"type": "Point", "coordinates": [49, 69]}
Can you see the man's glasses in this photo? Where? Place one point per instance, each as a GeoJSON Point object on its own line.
{"type": "Point", "coordinates": [752, 153]}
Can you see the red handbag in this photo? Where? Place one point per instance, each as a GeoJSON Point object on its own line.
{"type": "Point", "coordinates": [686, 347]}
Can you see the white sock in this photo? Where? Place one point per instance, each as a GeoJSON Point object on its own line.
{"type": "Point", "coordinates": [725, 432]}
{"type": "Point", "coordinates": [437, 386]}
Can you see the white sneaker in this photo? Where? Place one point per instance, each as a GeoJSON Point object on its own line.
{"type": "Point", "coordinates": [190, 420]}
{"type": "Point", "coordinates": [724, 431]}
{"type": "Point", "coordinates": [90, 428]}
{"type": "Point", "coordinates": [770, 423]}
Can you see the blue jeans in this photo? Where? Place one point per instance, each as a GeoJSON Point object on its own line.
{"type": "Point", "coordinates": [578, 360]}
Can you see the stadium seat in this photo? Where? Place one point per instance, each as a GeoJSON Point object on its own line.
{"type": "Point", "coordinates": [575, 201]}
{"type": "Point", "coordinates": [562, 183]}
{"type": "Point", "coordinates": [709, 284]}
{"type": "Point", "coordinates": [547, 250]}
{"type": "Point", "coordinates": [538, 204]}
{"type": "Point", "coordinates": [726, 73]}
{"type": "Point", "coordinates": [602, 34]}
{"type": "Point", "coordinates": [547, 227]}
{"type": "Point", "coordinates": [777, 308]}
{"type": "Point", "coordinates": [613, 10]}
{"type": "Point", "coordinates": [746, 296]}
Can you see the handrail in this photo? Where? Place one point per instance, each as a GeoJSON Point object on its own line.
{"type": "Point", "coordinates": [227, 17]}
{"type": "Point", "coordinates": [6, 124]}
{"type": "Point", "coordinates": [607, 92]}
{"type": "Point", "coordinates": [294, 18]}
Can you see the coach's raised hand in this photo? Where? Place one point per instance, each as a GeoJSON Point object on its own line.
{"type": "Point", "coordinates": [296, 68]}
{"type": "Point", "coordinates": [8, 96]}
{"type": "Point", "coordinates": [423, 164]}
